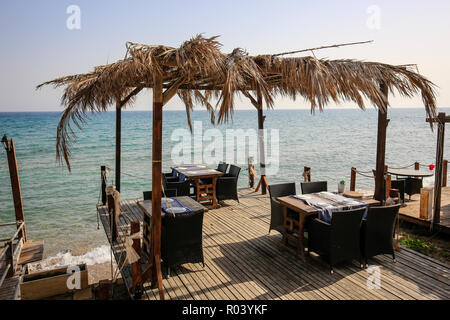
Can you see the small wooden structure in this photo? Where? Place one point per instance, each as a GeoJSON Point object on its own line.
{"type": "Point", "coordinates": [199, 72]}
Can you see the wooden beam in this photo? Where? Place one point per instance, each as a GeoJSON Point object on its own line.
{"type": "Point", "coordinates": [118, 143]}
{"type": "Point", "coordinates": [15, 186]}
{"type": "Point", "coordinates": [445, 119]}
{"type": "Point", "coordinates": [171, 91]}
{"type": "Point", "coordinates": [131, 95]}
{"type": "Point", "coordinates": [381, 147]}
{"type": "Point", "coordinates": [250, 97]}
{"type": "Point", "coordinates": [103, 177]}
{"type": "Point", "coordinates": [156, 181]}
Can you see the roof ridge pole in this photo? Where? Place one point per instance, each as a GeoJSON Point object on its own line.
{"type": "Point", "coordinates": [118, 142]}
{"type": "Point", "coordinates": [156, 180]}
{"type": "Point", "coordinates": [381, 146]}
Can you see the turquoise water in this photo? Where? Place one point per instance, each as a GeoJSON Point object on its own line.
{"type": "Point", "coordinates": [60, 206]}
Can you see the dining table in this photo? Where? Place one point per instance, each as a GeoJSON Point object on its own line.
{"type": "Point", "coordinates": [303, 206]}
{"type": "Point", "coordinates": [205, 182]}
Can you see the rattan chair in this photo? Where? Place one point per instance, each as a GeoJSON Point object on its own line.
{"type": "Point", "coordinates": [181, 239]}
{"type": "Point", "coordinates": [226, 188]}
{"type": "Point", "coordinates": [182, 187]}
{"type": "Point", "coordinates": [276, 209]}
{"type": "Point", "coordinates": [377, 231]}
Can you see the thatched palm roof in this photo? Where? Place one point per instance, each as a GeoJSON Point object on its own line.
{"type": "Point", "coordinates": [200, 73]}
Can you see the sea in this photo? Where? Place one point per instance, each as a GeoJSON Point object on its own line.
{"type": "Point", "coordinates": [60, 206]}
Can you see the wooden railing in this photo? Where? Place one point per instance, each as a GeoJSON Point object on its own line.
{"type": "Point", "coordinates": [10, 251]}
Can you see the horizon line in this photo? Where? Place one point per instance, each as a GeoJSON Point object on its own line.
{"type": "Point", "coordinates": [245, 109]}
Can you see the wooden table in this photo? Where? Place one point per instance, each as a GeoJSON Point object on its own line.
{"type": "Point", "coordinates": [146, 206]}
{"type": "Point", "coordinates": [410, 173]}
{"type": "Point", "coordinates": [304, 211]}
{"type": "Point", "coordinates": [198, 173]}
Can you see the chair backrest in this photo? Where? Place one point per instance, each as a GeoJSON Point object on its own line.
{"type": "Point", "coordinates": [313, 187]}
{"type": "Point", "coordinates": [167, 192]}
{"type": "Point", "coordinates": [346, 226]}
{"type": "Point", "coordinates": [281, 189]}
{"type": "Point", "coordinates": [222, 167]}
{"type": "Point", "coordinates": [382, 219]}
{"type": "Point", "coordinates": [234, 171]}
{"type": "Point", "coordinates": [170, 193]}
{"type": "Point", "coordinates": [181, 236]}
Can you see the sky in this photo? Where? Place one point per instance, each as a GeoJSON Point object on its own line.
{"type": "Point", "coordinates": [37, 45]}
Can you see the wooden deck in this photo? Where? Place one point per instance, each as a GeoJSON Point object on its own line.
{"type": "Point", "coordinates": [411, 212]}
{"type": "Point", "coordinates": [244, 262]}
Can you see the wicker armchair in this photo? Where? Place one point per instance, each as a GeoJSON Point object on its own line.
{"type": "Point", "coordinates": [182, 187]}
{"type": "Point", "coordinates": [377, 231]}
{"type": "Point", "coordinates": [181, 239]}
{"type": "Point", "coordinates": [226, 188]}
{"type": "Point", "coordinates": [339, 240]}
{"type": "Point", "coordinates": [413, 186]}
{"type": "Point", "coordinates": [276, 209]}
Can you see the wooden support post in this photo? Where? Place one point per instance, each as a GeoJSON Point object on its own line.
{"type": "Point", "coordinates": [353, 179]}
{"type": "Point", "coordinates": [445, 173]}
{"type": "Point", "coordinates": [262, 156]}
{"type": "Point", "coordinates": [307, 174]}
{"type": "Point", "coordinates": [156, 181]}
{"type": "Point", "coordinates": [114, 216]}
{"type": "Point", "coordinates": [15, 183]}
{"type": "Point", "coordinates": [136, 269]}
{"type": "Point", "coordinates": [118, 143]}
{"type": "Point", "coordinates": [251, 172]}
{"type": "Point", "coordinates": [439, 169]}
{"type": "Point", "coordinates": [381, 147]}
{"type": "Point", "coordinates": [103, 177]}
{"type": "Point", "coordinates": [416, 166]}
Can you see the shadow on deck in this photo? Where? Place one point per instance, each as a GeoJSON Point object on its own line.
{"type": "Point", "coordinates": [243, 261]}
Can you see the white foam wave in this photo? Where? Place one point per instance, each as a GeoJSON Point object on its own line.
{"type": "Point", "coordinates": [95, 256]}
